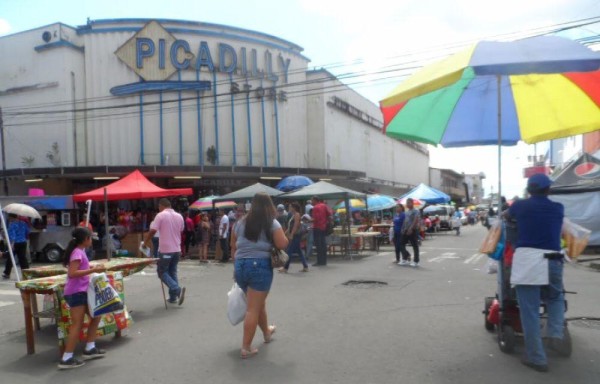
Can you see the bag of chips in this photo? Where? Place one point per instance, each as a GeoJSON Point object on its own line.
{"type": "Point", "coordinates": [492, 238]}
{"type": "Point", "coordinates": [576, 238]}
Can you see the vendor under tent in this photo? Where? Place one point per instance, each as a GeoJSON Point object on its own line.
{"type": "Point", "coordinates": [326, 191]}
{"type": "Point", "coordinates": [577, 188]}
{"type": "Point", "coordinates": [427, 194]}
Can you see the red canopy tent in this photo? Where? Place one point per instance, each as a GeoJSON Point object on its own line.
{"type": "Point", "coordinates": [131, 187]}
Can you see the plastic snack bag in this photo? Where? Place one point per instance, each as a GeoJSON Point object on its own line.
{"type": "Point", "coordinates": [102, 297]}
{"type": "Point", "coordinates": [492, 238]}
{"type": "Point", "coordinates": [236, 305]}
{"type": "Point", "coordinates": [576, 238]}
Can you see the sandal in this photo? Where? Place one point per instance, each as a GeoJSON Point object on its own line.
{"type": "Point", "coordinates": [272, 329]}
{"type": "Point", "coordinates": [248, 353]}
{"type": "Point", "coordinates": [282, 270]}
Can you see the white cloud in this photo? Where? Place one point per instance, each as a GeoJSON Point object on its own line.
{"type": "Point", "coordinates": [4, 27]}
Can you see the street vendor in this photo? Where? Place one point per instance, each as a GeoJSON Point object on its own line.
{"type": "Point", "coordinates": [537, 268]}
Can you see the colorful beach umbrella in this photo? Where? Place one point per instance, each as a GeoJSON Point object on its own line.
{"type": "Point", "coordinates": [206, 204]}
{"type": "Point", "coordinates": [535, 89]}
{"type": "Point", "coordinates": [355, 205]}
{"type": "Point", "coordinates": [416, 202]}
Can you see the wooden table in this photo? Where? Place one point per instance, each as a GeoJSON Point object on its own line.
{"type": "Point", "coordinates": [369, 235]}
{"type": "Point", "coordinates": [127, 265]}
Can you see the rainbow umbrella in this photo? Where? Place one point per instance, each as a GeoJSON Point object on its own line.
{"type": "Point", "coordinates": [416, 202]}
{"type": "Point", "coordinates": [206, 204]}
{"type": "Point", "coordinates": [535, 89]}
{"type": "Point", "coordinates": [355, 205]}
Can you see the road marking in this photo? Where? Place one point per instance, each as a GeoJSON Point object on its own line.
{"type": "Point", "coordinates": [13, 293]}
{"type": "Point", "coordinates": [474, 259]}
{"type": "Point", "coordinates": [444, 256]}
{"type": "Point", "coordinates": [6, 303]}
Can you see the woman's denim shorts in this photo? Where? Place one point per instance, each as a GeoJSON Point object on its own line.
{"type": "Point", "coordinates": [77, 299]}
{"type": "Point", "coordinates": [254, 273]}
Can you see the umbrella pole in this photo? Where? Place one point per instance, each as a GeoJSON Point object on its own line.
{"type": "Point", "coordinates": [87, 216]}
{"type": "Point", "coordinates": [108, 236]}
{"type": "Point", "coordinates": [499, 80]}
{"type": "Point", "coordinates": [7, 239]}
{"type": "Point", "coordinates": [348, 213]}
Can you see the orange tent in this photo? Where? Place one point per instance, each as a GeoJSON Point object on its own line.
{"type": "Point", "coordinates": [131, 187]}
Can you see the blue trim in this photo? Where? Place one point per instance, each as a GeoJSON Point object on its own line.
{"type": "Point", "coordinates": [186, 22]}
{"type": "Point", "coordinates": [233, 120]}
{"type": "Point", "coordinates": [162, 147]}
{"type": "Point", "coordinates": [277, 130]}
{"type": "Point", "coordinates": [153, 86]}
{"type": "Point", "coordinates": [201, 33]}
{"type": "Point", "coordinates": [264, 126]}
{"type": "Point", "coordinates": [249, 128]}
{"type": "Point", "coordinates": [59, 44]}
{"type": "Point", "coordinates": [141, 128]}
{"type": "Point", "coordinates": [216, 110]}
{"type": "Point", "coordinates": [198, 108]}
{"type": "Point", "coordinates": [180, 124]}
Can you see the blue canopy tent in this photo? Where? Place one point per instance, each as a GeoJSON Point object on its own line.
{"type": "Point", "coordinates": [427, 194]}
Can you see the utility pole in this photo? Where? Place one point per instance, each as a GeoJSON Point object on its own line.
{"type": "Point", "coordinates": [3, 155]}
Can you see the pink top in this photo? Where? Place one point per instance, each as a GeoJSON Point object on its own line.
{"type": "Point", "coordinates": [170, 225]}
{"type": "Point", "coordinates": [78, 284]}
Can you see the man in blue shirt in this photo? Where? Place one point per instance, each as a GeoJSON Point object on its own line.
{"type": "Point", "coordinates": [398, 222]}
{"type": "Point", "coordinates": [539, 223]}
{"type": "Point", "coordinates": [18, 231]}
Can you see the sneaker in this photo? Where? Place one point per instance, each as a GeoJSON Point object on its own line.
{"type": "Point", "coordinates": [537, 367]}
{"type": "Point", "coordinates": [172, 301]}
{"type": "Point", "coordinates": [5, 276]}
{"type": "Point", "coordinates": [403, 262]}
{"type": "Point", "coordinates": [94, 353]}
{"type": "Point", "coordinates": [70, 363]}
{"type": "Point", "coordinates": [181, 296]}
{"type": "Point", "coordinates": [413, 264]}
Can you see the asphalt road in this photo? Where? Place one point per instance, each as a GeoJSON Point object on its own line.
{"type": "Point", "coordinates": [421, 326]}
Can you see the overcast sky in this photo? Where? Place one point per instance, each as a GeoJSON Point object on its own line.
{"type": "Point", "coordinates": [364, 36]}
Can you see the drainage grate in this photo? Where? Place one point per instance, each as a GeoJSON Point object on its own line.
{"type": "Point", "coordinates": [364, 283]}
{"type": "Point", "coordinates": [586, 322]}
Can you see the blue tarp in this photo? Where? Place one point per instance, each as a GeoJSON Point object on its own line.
{"type": "Point", "coordinates": [427, 194]}
{"type": "Point", "coordinates": [52, 203]}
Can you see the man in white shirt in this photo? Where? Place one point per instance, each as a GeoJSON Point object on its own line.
{"type": "Point", "coordinates": [223, 235]}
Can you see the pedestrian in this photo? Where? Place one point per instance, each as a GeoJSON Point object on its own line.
{"type": "Point", "coordinates": [398, 220]}
{"type": "Point", "coordinates": [170, 224]}
{"type": "Point", "coordinates": [224, 235]}
{"type": "Point", "coordinates": [252, 239]}
{"type": "Point", "coordinates": [307, 223]}
{"type": "Point", "coordinates": [18, 231]}
{"type": "Point", "coordinates": [282, 217]}
{"type": "Point", "coordinates": [456, 223]}
{"type": "Point", "coordinates": [295, 237]}
{"type": "Point", "coordinates": [410, 233]}
{"type": "Point", "coordinates": [537, 268]}
{"type": "Point", "coordinates": [321, 216]}
{"type": "Point", "coordinates": [205, 234]}
{"type": "Point", "coordinates": [75, 294]}
{"type": "Point", "coordinates": [189, 232]}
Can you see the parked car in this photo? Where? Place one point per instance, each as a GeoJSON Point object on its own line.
{"type": "Point", "coordinates": [443, 212]}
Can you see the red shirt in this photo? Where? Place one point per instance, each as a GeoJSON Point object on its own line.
{"type": "Point", "coordinates": [320, 214]}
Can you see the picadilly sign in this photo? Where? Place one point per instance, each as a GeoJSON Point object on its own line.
{"type": "Point", "coordinates": [155, 55]}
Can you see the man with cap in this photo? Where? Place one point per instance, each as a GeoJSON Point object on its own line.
{"type": "Point", "coordinates": [282, 217]}
{"type": "Point", "coordinates": [537, 268]}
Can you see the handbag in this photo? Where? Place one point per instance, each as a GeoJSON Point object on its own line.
{"type": "Point", "coordinates": [278, 258]}
{"type": "Point", "coordinates": [102, 297]}
{"type": "Point", "coordinates": [236, 305]}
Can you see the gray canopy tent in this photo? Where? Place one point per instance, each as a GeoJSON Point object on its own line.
{"type": "Point", "coordinates": [326, 191]}
{"type": "Point", "coordinates": [249, 192]}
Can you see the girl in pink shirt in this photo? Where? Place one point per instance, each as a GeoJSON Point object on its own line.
{"type": "Point", "coordinates": [75, 294]}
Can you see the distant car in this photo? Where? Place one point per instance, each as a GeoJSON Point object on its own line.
{"type": "Point", "coordinates": [444, 212]}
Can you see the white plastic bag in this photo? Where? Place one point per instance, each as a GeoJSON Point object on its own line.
{"type": "Point", "coordinates": [492, 266]}
{"type": "Point", "coordinates": [102, 297]}
{"type": "Point", "coordinates": [236, 305]}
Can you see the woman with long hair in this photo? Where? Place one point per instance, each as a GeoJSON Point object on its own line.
{"type": "Point", "coordinates": [75, 293]}
{"type": "Point", "coordinates": [293, 233]}
{"type": "Point", "coordinates": [205, 233]}
{"type": "Point", "coordinates": [252, 238]}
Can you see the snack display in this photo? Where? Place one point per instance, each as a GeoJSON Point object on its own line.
{"type": "Point", "coordinates": [576, 238]}
{"type": "Point", "coordinates": [492, 238]}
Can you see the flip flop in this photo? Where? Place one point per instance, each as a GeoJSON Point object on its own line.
{"type": "Point", "coordinates": [272, 329]}
{"type": "Point", "coordinates": [246, 354]}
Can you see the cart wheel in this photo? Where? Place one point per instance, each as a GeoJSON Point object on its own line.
{"type": "Point", "coordinates": [564, 347]}
{"type": "Point", "coordinates": [53, 253]}
{"type": "Point", "coordinates": [486, 311]}
{"type": "Point", "coordinates": [506, 338]}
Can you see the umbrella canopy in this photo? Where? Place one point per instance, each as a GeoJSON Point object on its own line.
{"type": "Point", "coordinates": [131, 187]}
{"type": "Point", "coordinates": [545, 87]}
{"type": "Point", "coordinates": [206, 204]}
{"type": "Point", "coordinates": [355, 205]}
{"type": "Point", "coordinates": [418, 203]}
{"type": "Point", "coordinates": [22, 210]}
{"type": "Point", "coordinates": [380, 202]}
{"type": "Point", "coordinates": [324, 190]}
{"type": "Point", "coordinates": [249, 192]}
{"type": "Point", "coordinates": [427, 194]}
{"type": "Point", "coordinates": [291, 183]}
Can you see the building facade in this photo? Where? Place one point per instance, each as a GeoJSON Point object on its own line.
{"type": "Point", "coordinates": [176, 98]}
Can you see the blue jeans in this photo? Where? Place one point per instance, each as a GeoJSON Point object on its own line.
{"type": "Point", "coordinates": [294, 247]}
{"type": "Point", "coordinates": [254, 273]}
{"type": "Point", "coordinates": [397, 244]}
{"type": "Point", "coordinates": [529, 298]}
{"type": "Point", "coordinates": [167, 272]}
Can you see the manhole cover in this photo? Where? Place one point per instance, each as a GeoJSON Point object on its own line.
{"type": "Point", "coordinates": [364, 283]}
{"type": "Point", "coordinates": [584, 322]}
